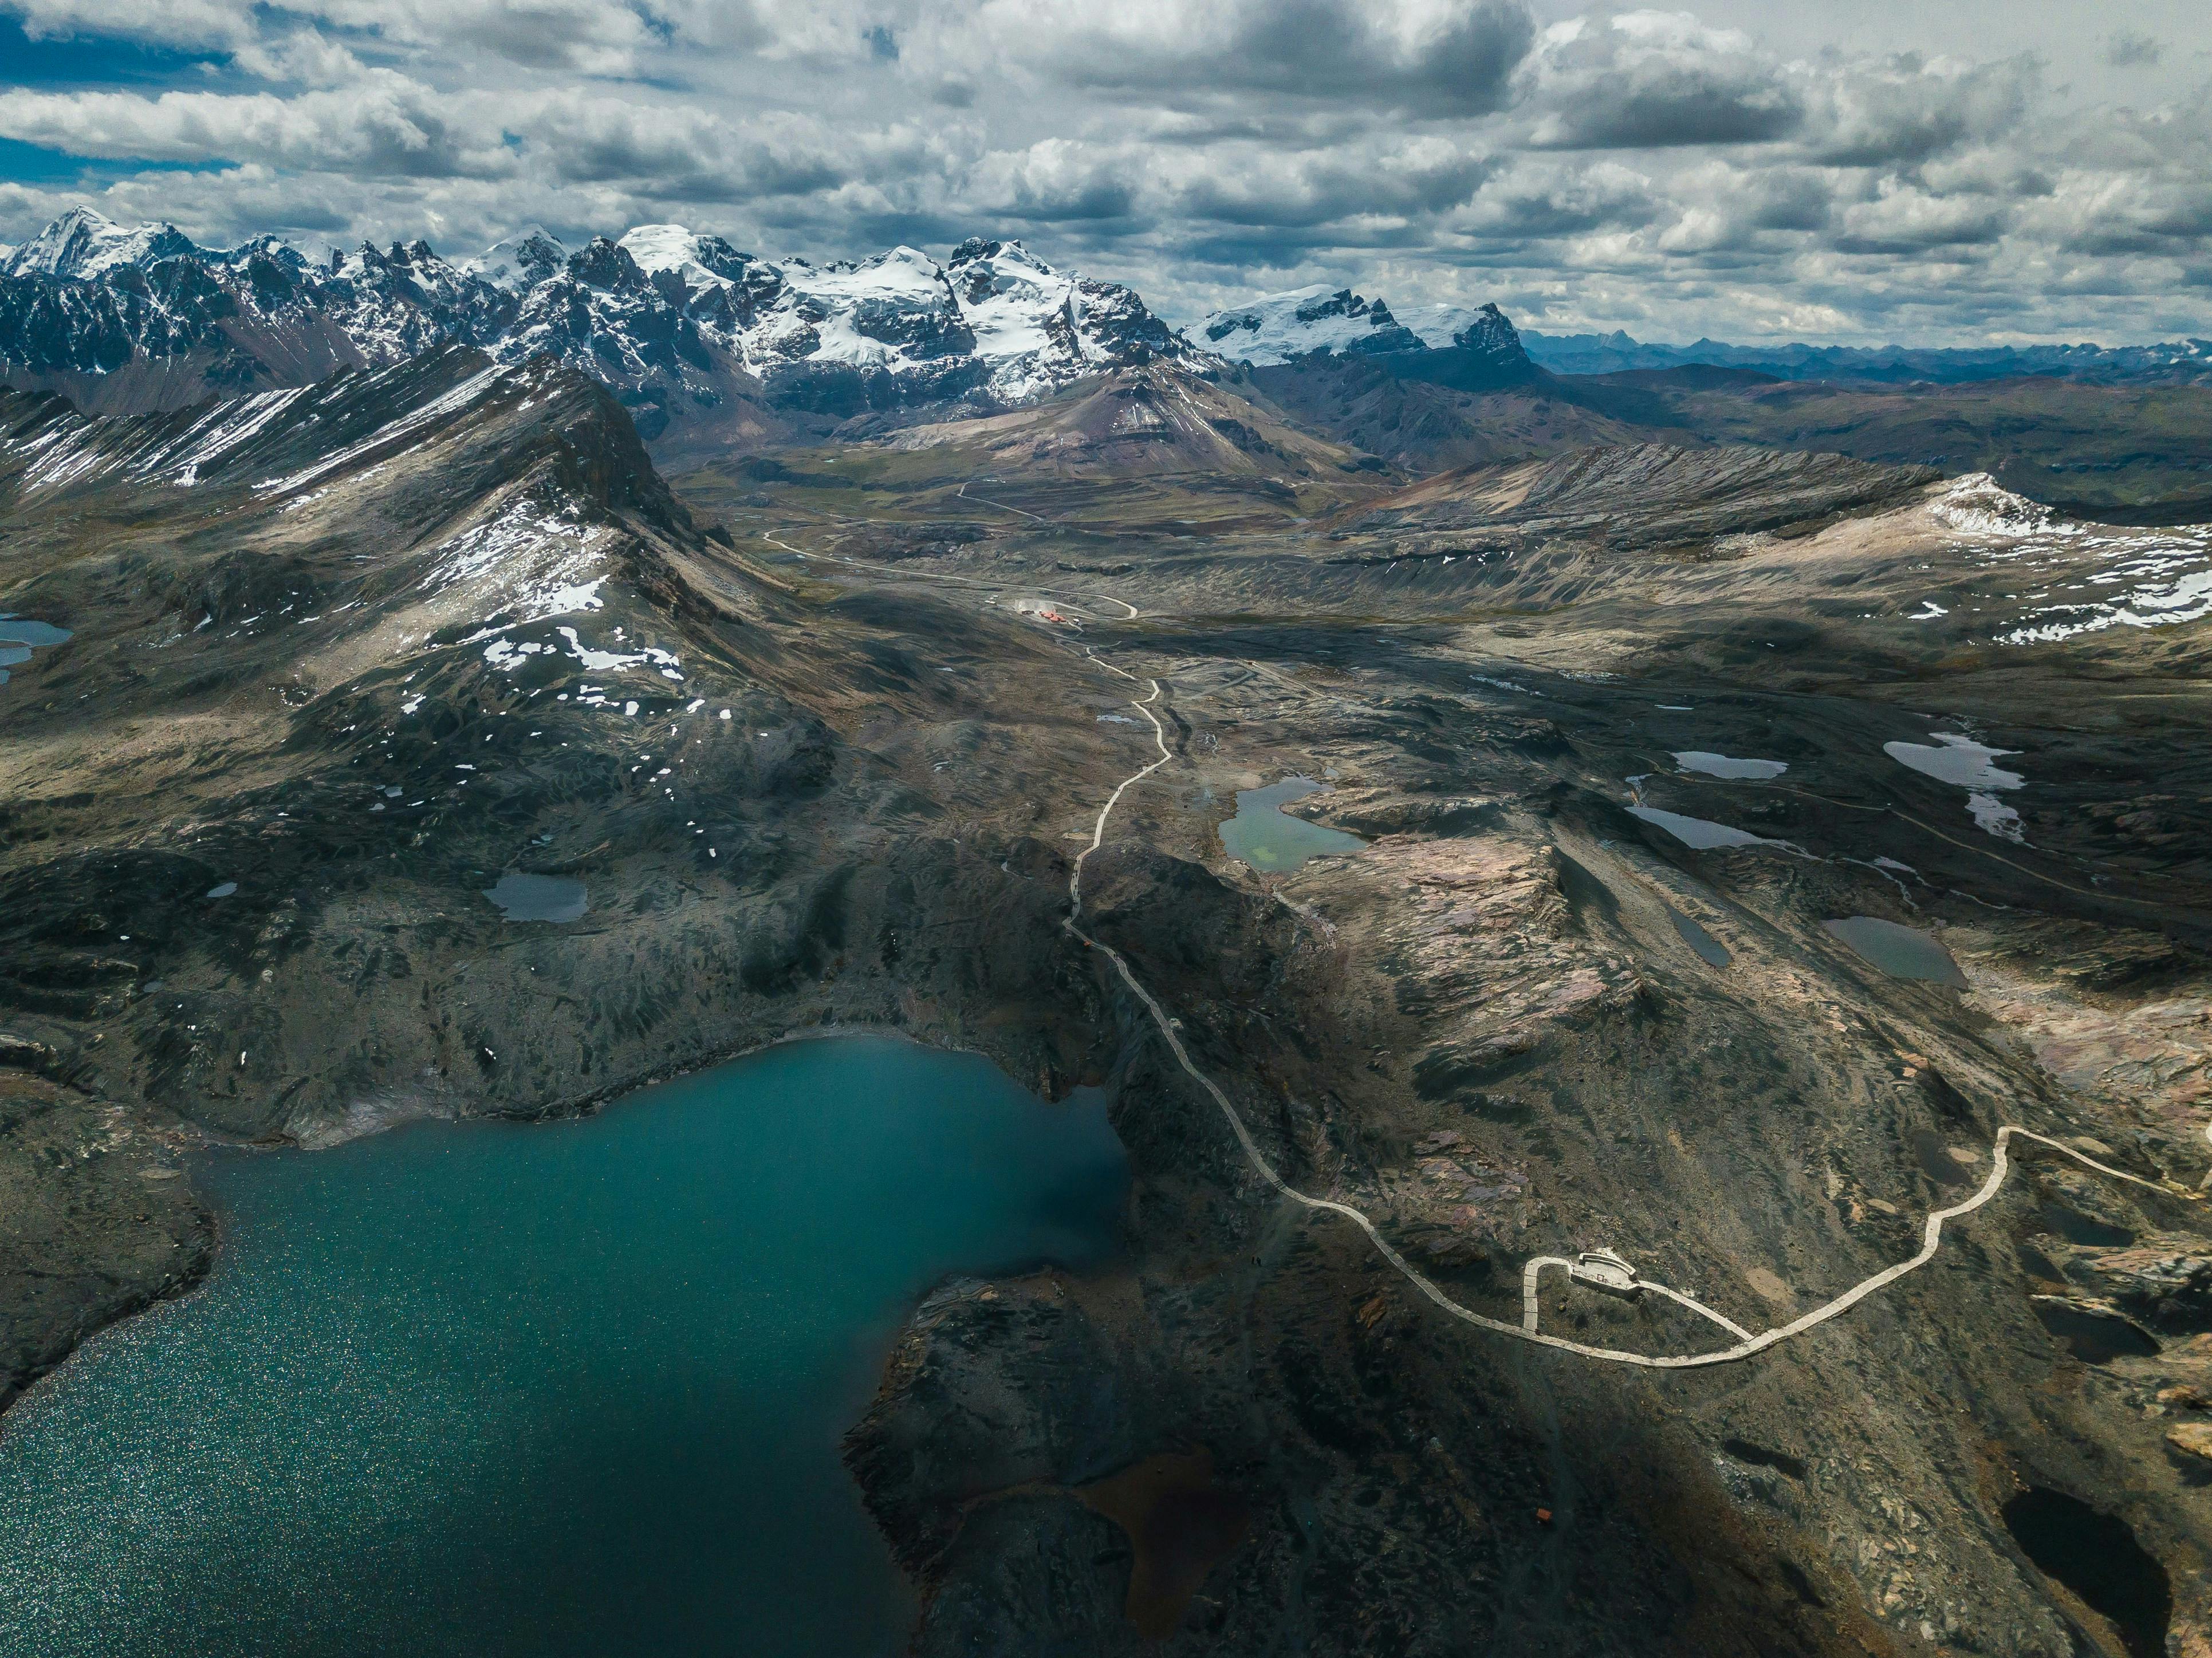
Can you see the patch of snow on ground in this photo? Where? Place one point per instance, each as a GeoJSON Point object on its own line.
{"type": "Point", "coordinates": [1996, 817]}
{"type": "Point", "coordinates": [428, 414]}
{"type": "Point", "coordinates": [2060, 579]}
{"type": "Point", "coordinates": [1977, 504]}
{"type": "Point", "coordinates": [2155, 580]}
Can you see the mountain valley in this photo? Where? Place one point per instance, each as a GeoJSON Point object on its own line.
{"type": "Point", "coordinates": [881, 647]}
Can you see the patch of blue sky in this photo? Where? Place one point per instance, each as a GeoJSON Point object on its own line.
{"type": "Point", "coordinates": [30, 164]}
{"type": "Point", "coordinates": [86, 60]}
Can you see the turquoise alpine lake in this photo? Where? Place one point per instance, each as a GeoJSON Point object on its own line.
{"type": "Point", "coordinates": [20, 636]}
{"type": "Point", "coordinates": [560, 1388]}
{"type": "Point", "coordinates": [1269, 839]}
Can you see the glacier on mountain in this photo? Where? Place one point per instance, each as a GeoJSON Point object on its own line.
{"type": "Point", "coordinates": [82, 244]}
{"type": "Point", "coordinates": [1278, 328]}
{"type": "Point", "coordinates": [1282, 328]}
{"type": "Point", "coordinates": [676, 321]}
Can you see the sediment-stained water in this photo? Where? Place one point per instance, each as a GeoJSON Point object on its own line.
{"type": "Point", "coordinates": [563, 1388]}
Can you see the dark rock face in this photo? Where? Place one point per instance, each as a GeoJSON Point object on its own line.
{"type": "Point", "coordinates": [2163, 1282]}
{"type": "Point", "coordinates": [1491, 336]}
{"type": "Point", "coordinates": [100, 1222]}
{"type": "Point", "coordinates": [1123, 326]}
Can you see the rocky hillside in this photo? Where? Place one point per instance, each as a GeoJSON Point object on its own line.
{"type": "Point", "coordinates": [1648, 495]}
{"type": "Point", "coordinates": [308, 686]}
{"type": "Point", "coordinates": [312, 673]}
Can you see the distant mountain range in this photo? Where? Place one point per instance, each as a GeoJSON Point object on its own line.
{"type": "Point", "coordinates": [1283, 328]}
{"type": "Point", "coordinates": [1277, 329]}
{"type": "Point", "coordinates": [690, 332]}
{"type": "Point", "coordinates": [682, 326]}
{"type": "Point", "coordinates": [1607, 354]}
{"type": "Point", "coordinates": [714, 353]}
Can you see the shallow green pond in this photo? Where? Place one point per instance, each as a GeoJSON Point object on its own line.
{"type": "Point", "coordinates": [1270, 840]}
{"type": "Point", "coordinates": [565, 1389]}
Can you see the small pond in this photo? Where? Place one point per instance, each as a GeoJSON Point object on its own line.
{"type": "Point", "coordinates": [1721, 765]}
{"type": "Point", "coordinates": [1903, 952]}
{"type": "Point", "coordinates": [20, 636]}
{"type": "Point", "coordinates": [565, 1389]}
{"type": "Point", "coordinates": [1699, 832]}
{"type": "Point", "coordinates": [1269, 839]}
{"type": "Point", "coordinates": [2092, 1335]}
{"type": "Point", "coordinates": [2096, 1555]}
{"type": "Point", "coordinates": [1954, 758]}
{"type": "Point", "coordinates": [538, 897]}
{"type": "Point", "coordinates": [1709, 949]}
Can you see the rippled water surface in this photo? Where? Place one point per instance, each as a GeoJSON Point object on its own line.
{"type": "Point", "coordinates": [563, 1388]}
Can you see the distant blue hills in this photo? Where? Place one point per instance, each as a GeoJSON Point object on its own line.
{"type": "Point", "coordinates": [2183, 361]}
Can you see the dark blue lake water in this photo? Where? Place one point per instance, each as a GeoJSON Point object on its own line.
{"type": "Point", "coordinates": [563, 1389]}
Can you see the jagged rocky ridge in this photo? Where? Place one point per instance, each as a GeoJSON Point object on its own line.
{"type": "Point", "coordinates": [1283, 328]}
{"type": "Point", "coordinates": [682, 326]}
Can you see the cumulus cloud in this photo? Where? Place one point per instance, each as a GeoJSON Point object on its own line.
{"type": "Point", "coordinates": [381, 123]}
{"type": "Point", "coordinates": [217, 23]}
{"type": "Point", "coordinates": [1647, 80]}
{"type": "Point", "coordinates": [595, 36]}
{"type": "Point", "coordinates": [1436, 56]}
{"type": "Point", "coordinates": [1640, 167]}
{"type": "Point", "coordinates": [1904, 220]}
{"type": "Point", "coordinates": [1905, 111]}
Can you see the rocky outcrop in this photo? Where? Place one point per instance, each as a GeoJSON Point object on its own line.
{"type": "Point", "coordinates": [101, 1221]}
{"type": "Point", "coordinates": [2163, 1281]}
{"type": "Point", "coordinates": [1647, 496]}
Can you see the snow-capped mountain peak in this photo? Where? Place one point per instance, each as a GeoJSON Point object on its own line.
{"type": "Point", "coordinates": [1483, 347]}
{"type": "Point", "coordinates": [679, 323]}
{"type": "Point", "coordinates": [83, 243]}
{"type": "Point", "coordinates": [1482, 328]}
{"type": "Point", "coordinates": [518, 263]}
{"type": "Point", "coordinates": [1278, 327]}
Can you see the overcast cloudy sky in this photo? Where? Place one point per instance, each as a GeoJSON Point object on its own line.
{"type": "Point", "coordinates": [1935, 171]}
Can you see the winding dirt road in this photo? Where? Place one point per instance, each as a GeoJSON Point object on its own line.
{"type": "Point", "coordinates": [1748, 1344]}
